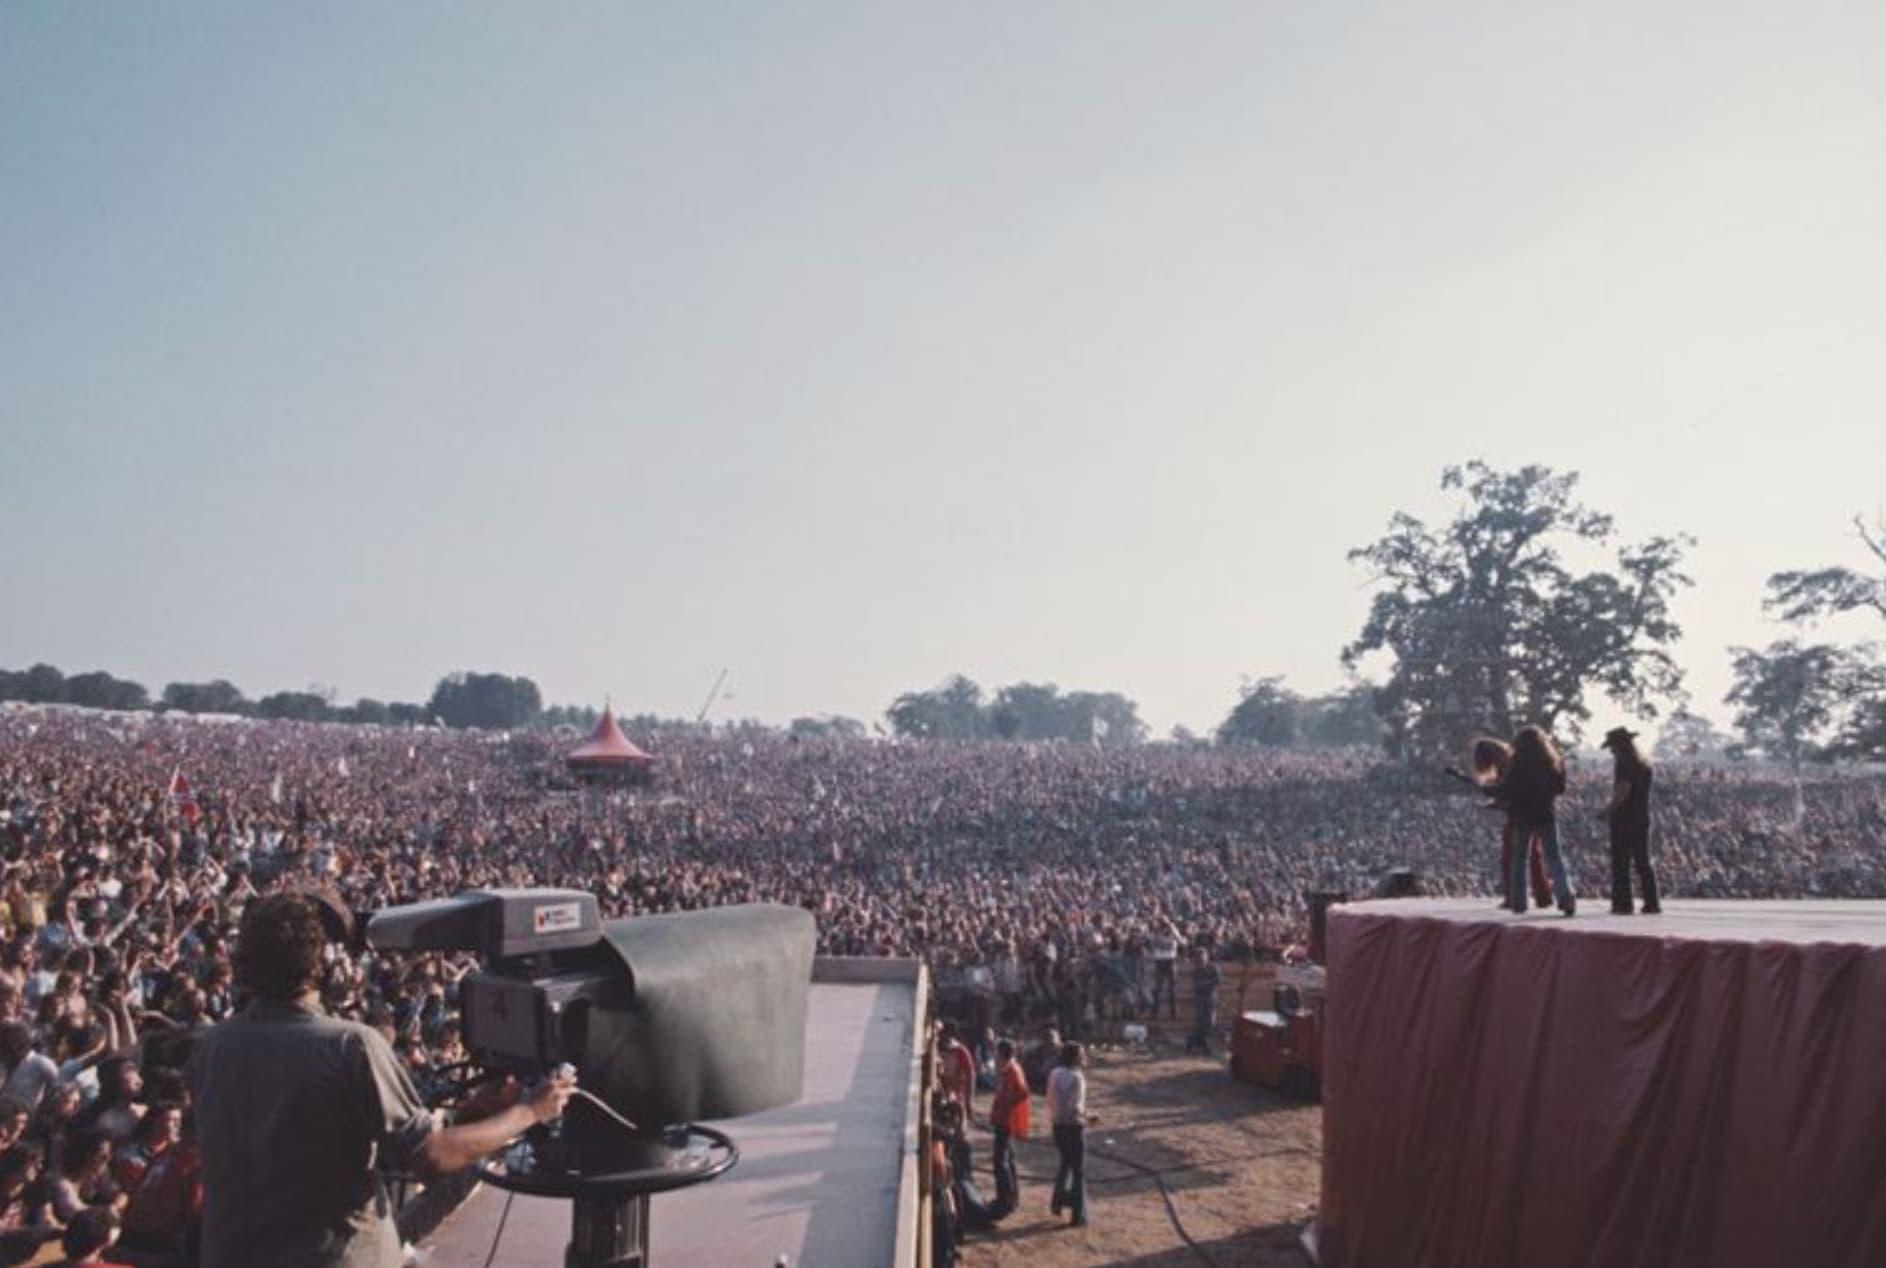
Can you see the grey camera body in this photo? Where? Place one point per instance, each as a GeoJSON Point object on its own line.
{"type": "Point", "coordinates": [669, 1019]}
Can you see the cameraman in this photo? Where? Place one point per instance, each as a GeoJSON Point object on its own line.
{"type": "Point", "coordinates": [297, 1112]}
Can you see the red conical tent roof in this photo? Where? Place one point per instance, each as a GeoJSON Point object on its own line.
{"type": "Point", "coordinates": [607, 746]}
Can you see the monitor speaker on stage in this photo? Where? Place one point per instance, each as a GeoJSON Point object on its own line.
{"type": "Point", "coordinates": [1400, 882]}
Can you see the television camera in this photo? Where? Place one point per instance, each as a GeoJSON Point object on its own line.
{"type": "Point", "coordinates": [666, 1020]}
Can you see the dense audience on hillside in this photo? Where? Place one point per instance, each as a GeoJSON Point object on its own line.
{"type": "Point", "coordinates": [1047, 876]}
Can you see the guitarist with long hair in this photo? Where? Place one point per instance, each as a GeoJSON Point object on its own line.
{"type": "Point", "coordinates": [1490, 758]}
{"type": "Point", "coordinates": [1530, 789]}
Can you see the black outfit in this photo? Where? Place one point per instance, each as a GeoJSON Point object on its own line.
{"type": "Point", "coordinates": [1070, 1179]}
{"type": "Point", "coordinates": [1205, 980]}
{"type": "Point", "coordinates": [972, 1209]}
{"type": "Point", "coordinates": [1630, 840]}
{"type": "Point", "coordinates": [1067, 1005]}
{"type": "Point", "coordinates": [1008, 1185]}
{"type": "Point", "coordinates": [1166, 980]}
{"type": "Point", "coordinates": [945, 1233]}
{"type": "Point", "coordinates": [1530, 793]}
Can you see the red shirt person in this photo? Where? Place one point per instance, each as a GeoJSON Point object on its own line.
{"type": "Point", "coordinates": [1008, 1116]}
{"type": "Point", "coordinates": [958, 1074]}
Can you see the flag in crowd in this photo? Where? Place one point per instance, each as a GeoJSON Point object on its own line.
{"type": "Point", "coordinates": [182, 797]}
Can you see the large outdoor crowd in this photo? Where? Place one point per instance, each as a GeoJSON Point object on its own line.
{"type": "Point", "coordinates": [1022, 867]}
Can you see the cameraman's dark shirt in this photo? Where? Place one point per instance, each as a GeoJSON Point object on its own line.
{"type": "Point", "coordinates": [294, 1109]}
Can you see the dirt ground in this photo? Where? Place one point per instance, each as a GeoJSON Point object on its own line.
{"type": "Point", "coordinates": [1241, 1167]}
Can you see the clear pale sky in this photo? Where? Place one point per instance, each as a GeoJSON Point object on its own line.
{"type": "Point", "coordinates": [849, 346]}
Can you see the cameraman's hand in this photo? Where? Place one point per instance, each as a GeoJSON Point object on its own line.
{"type": "Point", "coordinates": [548, 1100]}
{"type": "Point", "coordinates": [468, 1139]}
{"type": "Point", "coordinates": [490, 1098]}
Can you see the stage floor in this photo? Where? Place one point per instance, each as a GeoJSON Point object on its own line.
{"type": "Point", "coordinates": [1842, 922]}
{"type": "Point", "coordinates": [817, 1182]}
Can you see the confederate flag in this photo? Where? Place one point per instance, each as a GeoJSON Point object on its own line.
{"type": "Point", "coordinates": [182, 798]}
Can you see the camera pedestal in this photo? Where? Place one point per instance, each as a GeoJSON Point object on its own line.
{"type": "Point", "coordinates": [609, 1216]}
{"type": "Point", "coordinates": [608, 1233]}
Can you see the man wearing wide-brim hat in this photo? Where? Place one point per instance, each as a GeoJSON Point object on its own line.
{"type": "Point", "coordinates": [1629, 816]}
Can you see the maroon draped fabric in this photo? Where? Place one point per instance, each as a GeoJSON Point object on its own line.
{"type": "Point", "coordinates": [1703, 1089]}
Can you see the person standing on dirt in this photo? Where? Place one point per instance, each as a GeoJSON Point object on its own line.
{"type": "Point", "coordinates": [958, 1074]}
{"type": "Point", "coordinates": [1165, 957]}
{"type": "Point", "coordinates": [1040, 1058]}
{"type": "Point", "coordinates": [1067, 1110]}
{"type": "Point", "coordinates": [1008, 978]}
{"type": "Point", "coordinates": [1629, 816]}
{"type": "Point", "coordinates": [1008, 1115]}
{"type": "Point", "coordinates": [1205, 979]}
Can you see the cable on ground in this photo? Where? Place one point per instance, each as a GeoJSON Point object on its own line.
{"type": "Point", "coordinates": [498, 1236]}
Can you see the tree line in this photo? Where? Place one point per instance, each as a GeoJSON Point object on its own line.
{"type": "Point", "coordinates": [1270, 714]}
{"type": "Point", "coordinates": [959, 710]}
{"type": "Point", "coordinates": [497, 701]}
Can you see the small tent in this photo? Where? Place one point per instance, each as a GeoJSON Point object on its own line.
{"type": "Point", "coordinates": [608, 755]}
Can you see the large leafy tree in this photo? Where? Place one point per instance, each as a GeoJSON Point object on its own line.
{"type": "Point", "coordinates": [1809, 594]}
{"type": "Point", "coordinates": [1688, 734]}
{"type": "Point", "coordinates": [217, 696]}
{"type": "Point", "coordinates": [952, 711]}
{"type": "Point", "coordinates": [1489, 627]}
{"type": "Point", "coordinates": [1806, 596]}
{"type": "Point", "coordinates": [1790, 697]}
{"type": "Point", "coordinates": [1271, 714]}
{"type": "Point", "coordinates": [42, 684]}
{"type": "Point", "coordinates": [1103, 717]}
{"type": "Point", "coordinates": [1341, 719]}
{"type": "Point", "coordinates": [366, 709]}
{"type": "Point", "coordinates": [1029, 711]}
{"type": "Point", "coordinates": [1021, 711]}
{"type": "Point", "coordinates": [827, 727]}
{"type": "Point", "coordinates": [494, 701]}
{"type": "Point", "coordinates": [1266, 714]}
{"type": "Point", "coordinates": [1864, 734]}
{"type": "Point", "coordinates": [303, 706]}
{"type": "Point", "coordinates": [101, 690]}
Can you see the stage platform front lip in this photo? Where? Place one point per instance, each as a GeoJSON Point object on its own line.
{"type": "Point", "coordinates": [1799, 921]}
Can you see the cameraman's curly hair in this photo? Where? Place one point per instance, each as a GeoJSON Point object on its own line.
{"type": "Point", "coordinates": [278, 950]}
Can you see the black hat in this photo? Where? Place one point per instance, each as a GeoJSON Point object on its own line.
{"type": "Point", "coordinates": [1618, 736]}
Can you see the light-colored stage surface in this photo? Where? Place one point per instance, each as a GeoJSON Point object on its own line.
{"type": "Point", "coordinates": [1848, 922]}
